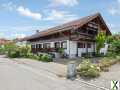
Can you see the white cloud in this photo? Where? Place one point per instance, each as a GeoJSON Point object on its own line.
{"type": "Point", "coordinates": [65, 2]}
{"type": "Point", "coordinates": [27, 12]}
{"type": "Point", "coordinates": [21, 10]}
{"type": "Point", "coordinates": [115, 10]}
{"type": "Point", "coordinates": [11, 32]}
{"type": "Point", "coordinates": [21, 35]}
{"type": "Point", "coordinates": [118, 1]}
{"type": "Point", "coordinates": [8, 6]}
{"type": "Point", "coordinates": [60, 16]}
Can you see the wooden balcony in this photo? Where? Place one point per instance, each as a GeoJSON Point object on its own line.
{"type": "Point", "coordinates": [80, 37]}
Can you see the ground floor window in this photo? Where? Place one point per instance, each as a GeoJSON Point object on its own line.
{"type": "Point", "coordinates": [37, 45]}
{"type": "Point", "coordinates": [64, 44]}
{"type": "Point", "coordinates": [81, 45]}
{"type": "Point", "coordinates": [33, 46]}
{"type": "Point", "coordinates": [57, 44]}
{"type": "Point", "coordinates": [88, 45]}
{"type": "Point", "coordinates": [40, 45]}
{"type": "Point", "coordinates": [46, 45]}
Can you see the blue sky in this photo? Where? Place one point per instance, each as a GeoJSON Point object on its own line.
{"type": "Point", "coordinates": [19, 18]}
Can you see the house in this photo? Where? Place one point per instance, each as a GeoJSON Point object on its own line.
{"type": "Point", "coordinates": [20, 41]}
{"type": "Point", "coordinates": [4, 41]}
{"type": "Point", "coordinates": [76, 37]}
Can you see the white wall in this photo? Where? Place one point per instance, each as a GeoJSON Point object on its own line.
{"type": "Point", "coordinates": [80, 51]}
{"type": "Point", "coordinates": [73, 49]}
{"type": "Point", "coordinates": [21, 43]}
{"type": "Point", "coordinates": [52, 45]}
{"type": "Point", "coordinates": [83, 50]}
{"type": "Point", "coordinates": [92, 48]}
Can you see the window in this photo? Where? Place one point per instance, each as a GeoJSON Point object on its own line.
{"type": "Point", "coordinates": [88, 45]}
{"type": "Point", "coordinates": [57, 44]}
{"type": "Point", "coordinates": [40, 45]}
{"type": "Point", "coordinates": [64, 44]}
{"type": "Point", "coordinates": [37, 45]}
{"type": "Point", "coordinates": [91, 32]}
{"type": "Point", "coordinates": [33, 46]}
{"type": "Point", "coordinates": [46, 45]}
{"type": "Point", "coordinates": [81, 45]}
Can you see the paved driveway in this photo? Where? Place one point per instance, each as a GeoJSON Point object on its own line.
{"type": "Point", "coordinates": [15, 75]}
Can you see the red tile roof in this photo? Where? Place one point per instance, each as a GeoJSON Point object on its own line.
{"type": "Point", "coordinates": [67, 26]}
{"type": "Point", "coordinates": [4, 41]}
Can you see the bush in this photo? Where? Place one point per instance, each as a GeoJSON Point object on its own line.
{"type": "Point", "coordinates": [46, 58]}
{"type": "Point", "coordinates": [14, 51]}
{"type": "Point", "coordinates": [111, 54]}
{"type": "Point", "coordinates": [25, 50]}
{"type": "Point", "coordinates": [13, 54]}
{"type": "Point", "coordinates": [87, 69]}
{"type": "Point", "coordinates": [32, 56]}
{"type": "Point", "coordinates": [105, 63]}
{"type": "Point", "coordinates": [118, 58]}
{"type": "Point", "coordinates": [2, 49]}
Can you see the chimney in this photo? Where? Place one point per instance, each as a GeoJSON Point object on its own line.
{"type": "Point", "coordinates": [37, 31]}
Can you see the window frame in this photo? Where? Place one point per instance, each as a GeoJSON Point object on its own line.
{"type": "Point", "coordinates": [57, 46]}
{"type": "Point", "coordinates": [64, 44]}
{"type": "Point", "coordinates": [89, 45]}
{"type": "Point", "coordinates": [46, 45]}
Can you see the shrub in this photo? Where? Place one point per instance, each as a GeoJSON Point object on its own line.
{"type": "Point", "coordinates": [105, 63]}
{"type": "Point", "coordinates": [13, 54]}
{"type": "Point", "coordinates": [100, 39]}
{"type": "Point", "coordinates": [46, 58]}
{"type": "Point", "coordinates": [87, 69]}
{"type": "Point", "coordinates": [61, 51]}
{"type": "Point", "coordinates": [32, 56]}
{"type": "Point", "coordinates": [2, 49]}
{"type": "Point", "coordinates": [35, 57]}
{"type": "Point", "coordinates": [25, 50]}
{"type": "Point", "coordinates": [111, 54]}
{"type": "Point", "coordinates": [118, 58]}
{"type": "Point", "coordinates": [40, 57]}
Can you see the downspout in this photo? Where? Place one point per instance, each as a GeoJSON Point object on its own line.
{"type": "Point", "coordinates": [69, 43]}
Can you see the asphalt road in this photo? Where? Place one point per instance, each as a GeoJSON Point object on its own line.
{"type": "Point", "coordinates": [18, 76]}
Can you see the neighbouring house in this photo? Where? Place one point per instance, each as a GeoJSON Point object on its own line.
{"type": "Point", "coordinates": [20, 41]}
{"type": "Point", "coordinates": [4, 41]}
{"type": "Point", "coordinates": [76, 37]}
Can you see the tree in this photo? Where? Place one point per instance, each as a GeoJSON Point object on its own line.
{"type": "Point", "coordinates": [114, 44]}
{"type": "Point", "coordinates": [100, 40]}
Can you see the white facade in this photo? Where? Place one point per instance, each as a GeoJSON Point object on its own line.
{"type": "Point", "coordinates": [72, 49]}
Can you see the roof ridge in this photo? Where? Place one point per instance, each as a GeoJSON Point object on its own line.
{"type": "Point", "coordinates": [79, 22]}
